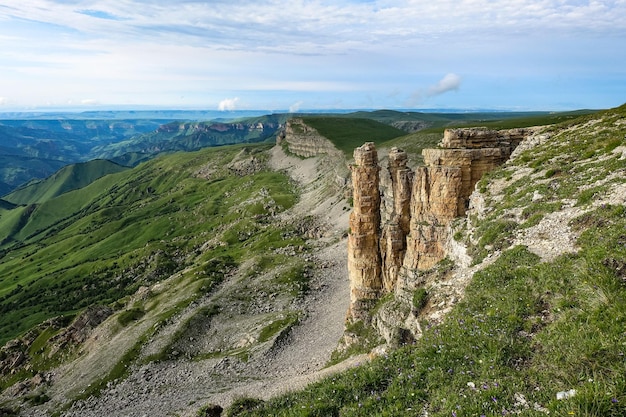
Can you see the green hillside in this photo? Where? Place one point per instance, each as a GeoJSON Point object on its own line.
{"type": "Point", "coordinates": [68, 178]}
{"type": "Point", "coordinates": [189, 136]}
{"type": "Point", "coordinates": [100, 243]}
{"type": "Point", "coordinates": [35, 148]}
{"type": "Point", "coordinates": [349, 133]}
{"type": "Point", "coordinates": [528, 331]}
{"type": "Point", "coordinates": [18, 170]}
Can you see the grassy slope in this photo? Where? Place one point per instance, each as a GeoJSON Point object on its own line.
{"type": "Point", "coordinates": [68, 178]}
{"type": "Point", "coordinates": [100, 243]}
{"type": "Point", "coordinates": [352, 130]}
{"type": "Point", "coordinates": [349, 133]}
{"type": "Point", "coordinates": [526, 329]}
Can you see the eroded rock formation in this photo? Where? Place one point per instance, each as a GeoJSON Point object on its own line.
{"type": "Point", "coordinates": [420, 211]}
{"type": "Point", "coordinates": [305, 141]}
{"type": "Point", "coordinates": [393, 240]}
{"type": "Point", "coordinates": [364, 262]}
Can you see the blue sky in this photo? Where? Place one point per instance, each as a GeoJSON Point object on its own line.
{"type": "Point", "coordinates": [312, 54]}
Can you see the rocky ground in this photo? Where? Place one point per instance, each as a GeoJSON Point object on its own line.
{"type": "Point", "coordinates": [179, 387]}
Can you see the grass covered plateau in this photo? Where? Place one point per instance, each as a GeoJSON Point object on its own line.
{"type": "Point", "coordinates": [349, 133]}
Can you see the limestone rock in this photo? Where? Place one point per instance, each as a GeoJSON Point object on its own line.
{"type": "Point", "coordinates": [80, 329]}
{"type": "Point", "coordinates": [482, 137]}
{"type": "Point", "coordinates": [393, 240]}
{"type": "Point", "coordinates": [364, 263]}
{"type": "Point", "coordinates": [305, 141]}
{"type": "Point", "coordinates": [401, 178]}
{"type": "Point", "coordinates": [419, 209]}
{"type": "Point", "coordinates": [433, 206]}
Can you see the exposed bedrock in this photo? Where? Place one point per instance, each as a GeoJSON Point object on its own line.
{"type": "Point", "coordinates": [420, 207]}
{"type": "Point", "coordinates": [364, 263]}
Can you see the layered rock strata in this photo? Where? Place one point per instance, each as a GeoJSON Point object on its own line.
{"type": "Point", "coordinates": [364, 261]}
{"type": "Point", "coordinates": [393, 239]}
{"type": "Point", "coordinates": [423, 205]}
{"type": "Point", "coordinates": [303, 140]}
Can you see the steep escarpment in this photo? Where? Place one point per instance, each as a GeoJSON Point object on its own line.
{"type": "Point", "coordinates": [304, 140]}
{"type": "Point", "coordinates": [316, 153]}
{"type": "Point", "coordinates": [540, 328]}
{"type": "Point", "coordinates": [386, 255]}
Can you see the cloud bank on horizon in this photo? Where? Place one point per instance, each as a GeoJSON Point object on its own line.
{"type": "Point", "coordinates": [313, 54]}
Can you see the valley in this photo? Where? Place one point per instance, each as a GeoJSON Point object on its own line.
{"type": "Point", "coordinates": [220, 276]}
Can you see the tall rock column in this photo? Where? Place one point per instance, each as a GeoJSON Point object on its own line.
{"type": "Point", "coordinates": [393, 241]}
{"type": "Point", "coordinates": [364, 261]}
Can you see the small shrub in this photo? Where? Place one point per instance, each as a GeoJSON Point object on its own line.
{"type": "Point", "coordinates": [132, 314]}
{"type": "Point", "coordinates": [37, 399]}
{"type": "Point", "coordinates": [420, 298]}
{"type": "Point", "coordinates": [242, 405]}
{"type": "Point", "coordinates": [7, 412]}
{"type": "Point", "coordinates": [210, 410]}
{"type": "Point", "coordinates": [551, 173]}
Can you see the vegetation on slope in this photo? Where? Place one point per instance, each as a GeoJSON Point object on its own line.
{"type": "Point", "coordinates": [68, 178]}
{"type": "Point", "coordinates": [349, 133]}
{"type": "Point", "coordinates": [530, 337]}
{"type": "Point", "coordinates": [102, 242]}
{"type": "Point", "coordinates": [36, 148]}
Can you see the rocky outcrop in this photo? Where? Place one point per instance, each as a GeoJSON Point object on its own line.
{"type": "Point", "coordinates": [82, 326]}
{"type": "Point", "coordinates": [246, 163]}
{"type": "Point", "coordinates": [364, 262]}
{"type": "Point", "coordinates": [420, 209]}
{"type": "Point", "coordinates": [393, 241]}
{"type": "Point", "coordinates": [434, 205]}
{"type": "Point", "coordinates": [303, 140]}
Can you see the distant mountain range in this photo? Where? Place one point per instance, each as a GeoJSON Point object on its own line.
{"type": "Point", "coordinates": [34, 145]}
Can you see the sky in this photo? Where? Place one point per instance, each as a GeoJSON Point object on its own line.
{"type": "Point", "coordinates": [295, 55]}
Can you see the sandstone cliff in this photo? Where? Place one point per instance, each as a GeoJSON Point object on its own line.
{"type": "Point", "coordinates": [388, 256]}
{"type": "Point", "coordinates": [364, 264]}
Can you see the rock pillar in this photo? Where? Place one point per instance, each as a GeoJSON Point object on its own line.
{"type": "Point", "coordinates": [420, 213]}
{"type": "Point", "coordinates": [393, 240]}
{"type": "Point", "coordinates": [364, 261]}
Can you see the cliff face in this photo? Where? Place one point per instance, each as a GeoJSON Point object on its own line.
{"type": "Point", "coordinates": [305, 141]}
{"type": "Point", "coordinates": [420, 210]}
{"type": "Point", "coordinates": [393, 240]}
{"type": "Point", "coordinates": [364, 262]}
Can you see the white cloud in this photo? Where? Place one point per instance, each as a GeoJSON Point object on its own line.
{"type": "Point", "coordinates": [3, 101]}
{"type": "Point", "coordinates": [228, 104]}
{"type": "Point", "coordinates": [318, 51]}
{"type": "Point", "coordinates": [89, 102]}
{"type": "Point", "coordinates": [451, 82]}
{"type": "Point", "coordinates": [295, 107]}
